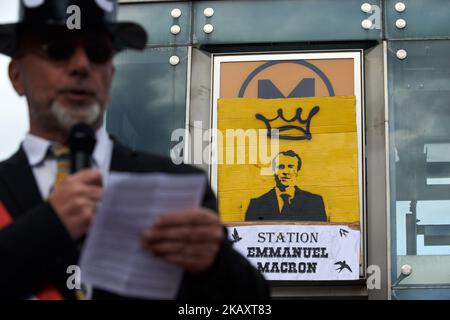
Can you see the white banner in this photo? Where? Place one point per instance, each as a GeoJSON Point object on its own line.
{"type": "Point", "coordinates": [300, 252]}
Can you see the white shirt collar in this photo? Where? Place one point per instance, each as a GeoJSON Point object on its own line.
{"type": "Point", "coordinates": [36, 148]}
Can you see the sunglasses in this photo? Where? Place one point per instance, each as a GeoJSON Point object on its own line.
{"type": "Point", "coordinates": [61, 46]}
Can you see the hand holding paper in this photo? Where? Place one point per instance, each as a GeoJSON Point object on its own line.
{"type": "Point", "coordinates": [190, 238]}
{"type": "Point", "coordinates": [113, 258]}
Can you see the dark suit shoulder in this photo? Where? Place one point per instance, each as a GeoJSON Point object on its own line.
{"type": "Point", "coordinates": [313, 206]}
{"type": "Point", "coordinates": [309, 195]}
{"type": "Point", "coordinates": [17, 156]}
{"type": "Point", "coordinates": [268, 195]}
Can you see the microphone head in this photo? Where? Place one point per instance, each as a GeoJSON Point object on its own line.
{"type": "Point", "coordinates": [82, 139]}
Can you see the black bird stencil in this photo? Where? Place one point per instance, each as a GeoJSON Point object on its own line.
{"type": "Point", "coordinates": [343, 233]}
{"type": "Point", "coordinates": [342, 265]}
{"type": "Point", "coordinates": [236, 237]}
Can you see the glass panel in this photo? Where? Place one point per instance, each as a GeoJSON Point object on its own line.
{"type": "Point", "coordinates": [429, 18]}
{"type": "Point", "coordinates": [419, 91]}
{"type": "Point", "coordinates": [422, 294]}
{"type": "Point", "coordinates": [285, 21]}
{"type": "Point", "coordinates": [149, 99]}
{"type": "Point", "coordinates": [157, 20]}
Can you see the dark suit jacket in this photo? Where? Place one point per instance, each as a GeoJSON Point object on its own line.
{"type": "Point", "coordinates": [305, 206]}
{"type": "Point", "coordinates": [35, 249]}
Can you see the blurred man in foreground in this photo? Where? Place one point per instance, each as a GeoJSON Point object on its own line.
{"type": "Point", "coordinates": [45, 212]}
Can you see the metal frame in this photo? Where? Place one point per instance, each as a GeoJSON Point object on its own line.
{"type": "Point", "coordinates": [199, 100]}
{"type": "Point", "coordinates": [388, 186]}
{"type": "Point", "coordinates": [377, 170]}
{"type": "Point", "coordinates": [357, 56]}
{"type": "Point", "coordinates": [187, 138]}
{"type": "Point", "coordinates": [377, 221]}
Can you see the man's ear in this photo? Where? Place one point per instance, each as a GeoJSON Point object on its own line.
{"type": "Point", "coordinates": [16, 77]}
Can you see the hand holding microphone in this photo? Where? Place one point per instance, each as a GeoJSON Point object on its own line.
{"type": "Point", "coordinates": [75, 198]}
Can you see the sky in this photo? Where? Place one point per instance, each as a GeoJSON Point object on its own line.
{"type": "Point", "coordinates": [13, 110]}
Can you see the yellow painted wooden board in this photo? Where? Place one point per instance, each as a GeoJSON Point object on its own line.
{"type": "Point", "coordinates": [329, 159]}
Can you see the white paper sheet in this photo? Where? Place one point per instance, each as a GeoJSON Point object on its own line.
{"type": "Point", "coordinates": [112, 258]}
{"type": "Point", "coordinates": [300, 252]}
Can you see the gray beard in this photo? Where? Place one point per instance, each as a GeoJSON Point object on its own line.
{"type": "Point", "coordinates": [67, 118]}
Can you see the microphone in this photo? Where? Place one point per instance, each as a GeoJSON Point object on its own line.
{"type": "Point", "coordinates": [81, 143]}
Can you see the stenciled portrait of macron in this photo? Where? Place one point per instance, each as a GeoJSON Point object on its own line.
{"type": "Point", "coordinates": [286, 201]}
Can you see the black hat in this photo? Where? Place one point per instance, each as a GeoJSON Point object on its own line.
{"type": "Point", "coordinates": [93, 14]}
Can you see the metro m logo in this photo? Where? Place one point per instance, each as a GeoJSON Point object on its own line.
{"type": "Point", "coordinates": [311, 80]}
{"type": "Point", "coordinates": [305, 88]}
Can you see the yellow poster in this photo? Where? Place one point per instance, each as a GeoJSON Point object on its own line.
{"type": "Point", "coordinates": [292, 159]}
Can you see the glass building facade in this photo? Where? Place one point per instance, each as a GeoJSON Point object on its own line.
{"type": "Point", "coordinates": [406, 84]}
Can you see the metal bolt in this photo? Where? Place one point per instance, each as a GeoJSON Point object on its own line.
{"type": "Point", "coordinates": [174, 60]}
{"type": "Point", "coordinates": [366, 24]}
{"type": "Point", "coordinates": [406, 269]}
{"type": "Point", "coordinates": [366, 7]}
{"type": "Point", "coordinates": [400, 23]}
{"type": "Point", "coordinates": [175, 29]}
{"type": "Point", "coordinates": [208, 28]}
{"type": "Point", "coordinates": [208, 12]}
{"type": "Point", "coordinates": [400, 7]}
{"type": "Point", "coordinates": [176, 13]}
{"type": "Point", "coordinates": [402, 54]}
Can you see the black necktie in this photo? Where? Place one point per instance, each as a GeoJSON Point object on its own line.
{"type": "Point", "coordinates": [286, 204]}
